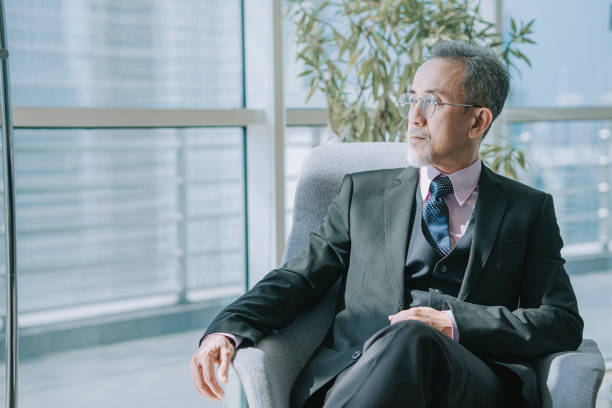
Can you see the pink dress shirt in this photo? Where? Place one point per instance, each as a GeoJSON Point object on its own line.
{"type": "Point", "coordinates": [460, 204]}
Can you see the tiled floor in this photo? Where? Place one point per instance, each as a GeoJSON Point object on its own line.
{"type": "Point", "coordinates": [152, 373]}
{"type": "Point", "coordinates": [604, 398]}
{"type": "Point", "coordinates": [594, 304]}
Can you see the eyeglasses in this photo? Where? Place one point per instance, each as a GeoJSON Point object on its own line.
{"type": "Point", "coordinates": [427, 104]}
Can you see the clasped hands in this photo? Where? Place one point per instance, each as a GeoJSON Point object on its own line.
{"type": "Point", "coordinates": [428, 315]}
{"type": "Point", "coordinates": [218, 349]}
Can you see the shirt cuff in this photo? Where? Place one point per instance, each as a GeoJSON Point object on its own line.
{"type": "Point", "coordinates": [235, 339]}
{"type": "Point", "coordinates": [455, 331]}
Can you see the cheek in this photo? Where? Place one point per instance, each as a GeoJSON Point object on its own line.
{"type": "Point", "coordinates": [442, 138]}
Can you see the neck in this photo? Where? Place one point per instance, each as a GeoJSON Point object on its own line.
{"type": "Point", "coordinates": [450, 168]}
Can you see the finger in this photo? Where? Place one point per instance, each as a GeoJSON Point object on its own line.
{"type": "Point", "coordinates": [422, 310]}
{"type": "Point", "coordinates": [405, 316]}
{"type": "Point", "coordinates": [399, 314]}
{"type": "Point", "coordinates": [210, 379]}
{"type": "Point", "coordinates": [197, 377]}
{"type": "Point", "coordinates": [396, 319]}
{"type": "Point", "coordinates": [198, 381]}
{"type": "Point", "coordinates": [226, 357]}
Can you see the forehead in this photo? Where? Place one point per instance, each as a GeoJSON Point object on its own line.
{"type": "Point", "coordinates": [442, 74]}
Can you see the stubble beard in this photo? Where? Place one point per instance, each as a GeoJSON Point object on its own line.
{"type": "Point", "coordinates": [419, 150]}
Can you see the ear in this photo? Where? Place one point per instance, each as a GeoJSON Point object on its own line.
{"type": "Point", "coordinates": [480, 122]}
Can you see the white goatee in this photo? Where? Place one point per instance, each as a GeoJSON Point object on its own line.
{"type": "Point", "coordinates": [418, 158]}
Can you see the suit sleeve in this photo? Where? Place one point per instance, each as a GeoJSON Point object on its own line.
{"type": "Point", "coordinates": [299, 284]}
{"type": "Point", "coordinates": [546, 320]}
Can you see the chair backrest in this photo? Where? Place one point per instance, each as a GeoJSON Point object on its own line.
{"type": "Point", "coordinates": [320, 179]}
{"type": "Point", "coordinates": [317, 186]}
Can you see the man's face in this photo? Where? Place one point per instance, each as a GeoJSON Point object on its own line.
{"type": "Point", "coordinates": [441, 140]}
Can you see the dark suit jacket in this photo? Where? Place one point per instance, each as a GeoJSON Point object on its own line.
{"type": "Point", "coordinates": [515, 302]}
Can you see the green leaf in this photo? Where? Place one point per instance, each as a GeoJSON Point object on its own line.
{"type": "Point", "coordinates": [406, 76]}
{"type": "Point", "coordinates": [305, 73]}
{"type": "Point", "coordinates": [361, 124]}
{"type": "Point", "coordinates": [323, 5]}
{"type": "Point", "coordinates": [313, 88]}
{"type": "Point", "coordinates": [352, 61]}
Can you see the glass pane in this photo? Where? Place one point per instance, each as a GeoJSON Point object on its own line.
{"type": "Point", "coordinates": [115, 53]}
{"type": "Point", "coordinates": [572, 161]}
{"type": "Point", "coordinates": [299, 142]}
{"type": "Point", "coordinates": [559, 74]}
{"type": "Point", "coordinates": [130, 241]}
{"type": "Point", "coordinates": [296, 88]}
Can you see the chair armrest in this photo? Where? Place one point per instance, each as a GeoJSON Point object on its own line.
{"type": "Point", "coordinates": [571, 379]}
{"type": "Point", "coordinates": [268, 370]}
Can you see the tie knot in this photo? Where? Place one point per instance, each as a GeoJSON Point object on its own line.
{"type": "Point", "coordinates": [441, 186]}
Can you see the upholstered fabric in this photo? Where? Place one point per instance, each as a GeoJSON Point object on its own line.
{"type": "Point", "coordinates": [571, 379]}
{"type": "Point", "coordinates": [268, 370]}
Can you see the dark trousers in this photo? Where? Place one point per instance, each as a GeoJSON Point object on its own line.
{"type": "Point", "coordinates": [410, 364]}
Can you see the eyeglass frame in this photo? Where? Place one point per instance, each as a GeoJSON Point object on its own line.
{"type": "Point", "coordinates": [421, 100]}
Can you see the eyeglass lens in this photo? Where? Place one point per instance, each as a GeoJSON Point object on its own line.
{"type": "Point", "coordinates": [427, 104]}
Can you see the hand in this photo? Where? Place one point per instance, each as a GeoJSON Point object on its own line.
{"type": "Point", "coordinates": [435, 318]}
{"type": "Point", "coordinates": [215, 349]}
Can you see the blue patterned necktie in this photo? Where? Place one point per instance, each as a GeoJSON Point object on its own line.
{"type": "Point", "coordinates": [436, 213]}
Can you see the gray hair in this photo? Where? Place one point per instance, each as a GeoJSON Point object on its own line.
{"type": "Point", "coordinates": [486, 82]}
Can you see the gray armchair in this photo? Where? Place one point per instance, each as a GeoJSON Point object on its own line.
{"type": "Point", "coordinates": [267, 371]}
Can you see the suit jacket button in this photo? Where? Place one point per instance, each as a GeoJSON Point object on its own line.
{"type": "Point", "coordinates": [443, 268]}
{"type": "Point", "coordinates": [356, 355]}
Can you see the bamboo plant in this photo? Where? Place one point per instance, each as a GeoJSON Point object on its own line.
{"type": "Point", "coordinates": [362, 55]}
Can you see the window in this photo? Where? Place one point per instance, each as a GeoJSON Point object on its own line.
{"type": "Point", "coordinates": [570, 66]}
{"type": "Point", "coordinates": [112, 53]}
{"type": "Point", "coordinates": [129, 239]}
{"type": "Point", "coordinates": [569, 158]}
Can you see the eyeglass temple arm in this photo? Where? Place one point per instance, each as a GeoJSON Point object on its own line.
{"type": "Point", "coordinates": [446, 103]}
{"type": "Point", "coordinates": [458, 104]}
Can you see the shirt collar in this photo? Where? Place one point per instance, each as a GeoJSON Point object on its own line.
{"type": "Point", "coordinates": [464, 181]}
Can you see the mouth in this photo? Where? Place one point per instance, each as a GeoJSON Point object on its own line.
{"type": "Point", "coordinates": [416, 134]}
{"type": "Point", "coordinates": [416, 139]}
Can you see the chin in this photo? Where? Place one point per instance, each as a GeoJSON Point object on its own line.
{"type": "Point", "coordinates": [417, 158]}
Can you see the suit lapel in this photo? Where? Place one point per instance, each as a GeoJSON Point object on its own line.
{"type": "Point", "coordinates": [492, 199]}
{"type": "Point", "coordinates": [399, 199]}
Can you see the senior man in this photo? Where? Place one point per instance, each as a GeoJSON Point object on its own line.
{"type": "Point", "coordinates": [452, 278]}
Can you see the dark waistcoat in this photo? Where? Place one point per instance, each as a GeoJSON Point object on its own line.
{"type": "Point", "coordinates": [427, 272]}
{"type": "Point", "coordinates": [430, 279]}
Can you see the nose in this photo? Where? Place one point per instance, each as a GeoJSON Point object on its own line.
{"type": "Point", "coordinates": [415, 117]}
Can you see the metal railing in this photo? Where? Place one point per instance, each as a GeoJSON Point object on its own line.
{"type": "Point", "coordinates": [110, 215]}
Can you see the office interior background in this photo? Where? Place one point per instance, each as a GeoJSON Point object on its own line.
{"type": "Point", "coordinates": [157, 149]}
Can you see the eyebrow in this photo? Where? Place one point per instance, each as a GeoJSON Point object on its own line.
{"type": "Point", "coordinates": [434, 91]}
